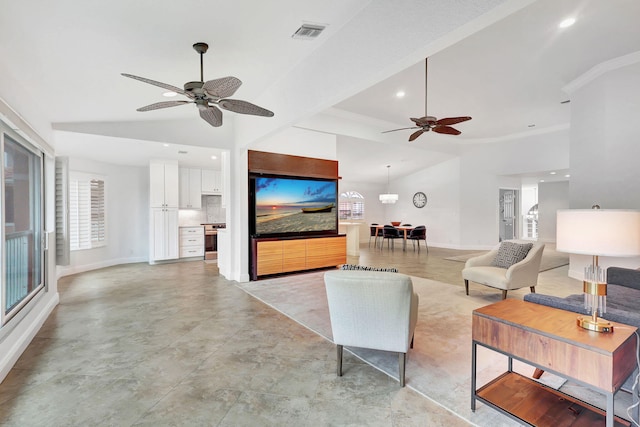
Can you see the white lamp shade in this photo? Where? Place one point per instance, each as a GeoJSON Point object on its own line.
{"type": "Point", "coordinates": [600, 232]}
{"type": "Point", "coordinates": [388, 198]}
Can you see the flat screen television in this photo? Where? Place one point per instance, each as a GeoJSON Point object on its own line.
{"type": "Point", "coordinates": [292, 206]}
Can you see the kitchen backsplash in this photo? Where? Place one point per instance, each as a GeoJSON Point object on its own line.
{"type": "Point", "coordinates": [212, 211]}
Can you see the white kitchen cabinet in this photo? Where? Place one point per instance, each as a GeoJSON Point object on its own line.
{"type": "Point", "coordinates": [191, 242]}
{"type": "Point", "coordinates": [211, 182]}
{"type": "Point", "coordinates": [163, 184]}
{"type": "Point", "coordinates": [163, 234]}
{"type": "Point", "coordinates": [190, 188]}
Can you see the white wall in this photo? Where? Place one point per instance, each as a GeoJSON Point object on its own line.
{"type": "Point", "coordinates": [551, 197]}
{"type": "Point", "coordinates": [604, 146]}
{"type": "Point", "coordinates": [605, 140]}
{"type": "Point", "coordinates": [127, 204]}
{"type": "Point", "coordinates": [441, 215]}
{"type": "Point", "coordinates": [300, 142]}
{"type": "Point", "coordinates": [463, 193]}
{"type": "Point", "coordinates": [483, 170]}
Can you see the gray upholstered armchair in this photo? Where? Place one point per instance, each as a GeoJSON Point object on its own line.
{"type": "Point", "coordinates": [374, 310]}
{"type": "Point", "coordinates": [507, 276]}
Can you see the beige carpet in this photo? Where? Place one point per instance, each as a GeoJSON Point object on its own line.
{"type": "Point", "coordinates": [439, 365]}
{"type": "Point", "coordinates": [550, 258]}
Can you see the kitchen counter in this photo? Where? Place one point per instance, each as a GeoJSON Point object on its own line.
{"type": "Point", "coordinates": [353, 237]}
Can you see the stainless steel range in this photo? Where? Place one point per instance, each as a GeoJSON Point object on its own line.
{"type": "Point", "coordinates": [211, 239]}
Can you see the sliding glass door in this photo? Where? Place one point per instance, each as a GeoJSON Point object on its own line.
{"type": "Point", "coordinates": [22, 217]}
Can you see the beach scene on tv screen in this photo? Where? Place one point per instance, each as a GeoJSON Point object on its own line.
{"type": "Point", "coordinates": [294, 205]}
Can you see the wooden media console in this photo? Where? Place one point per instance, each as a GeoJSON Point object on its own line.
{"type": "Point", "coordinates": [275, 256]}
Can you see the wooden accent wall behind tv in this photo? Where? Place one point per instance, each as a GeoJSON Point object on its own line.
{"type": "Point", "coordinates": [284, 164]}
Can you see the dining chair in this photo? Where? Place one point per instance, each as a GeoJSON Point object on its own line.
{"type": "Point", "coordinates": [374, 232]}
{"type": "Point", "coordinates": [417, 234]}
{"type": "Point", "coordinates": [390, 233]}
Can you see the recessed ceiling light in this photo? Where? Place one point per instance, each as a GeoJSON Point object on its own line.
{"type": "Point", "coordinates": [214, 157]}
{"type": "Point", "coordinates": [169, 94]}
{"type": "Point", "coordinates": [165, 145]}
{"type": "Point", "coordinates": [552, 173]}
{"type": "Point", "coordinates": [542, 180]}
{"type": "Point", "coordinates": [400, 94]}
{"type": "Point", "coordinates": [567, 22]}
{"type": "Point", "coordinates": [567, 176]}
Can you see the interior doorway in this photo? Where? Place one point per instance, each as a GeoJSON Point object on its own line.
{"type": "Point", "coordinates": [509, 212]}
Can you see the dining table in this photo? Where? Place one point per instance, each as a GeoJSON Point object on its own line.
{"type": "Point", "coordinates": [406, 230]}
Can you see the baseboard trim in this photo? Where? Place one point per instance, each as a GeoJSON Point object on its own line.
{"type": "Point", "coordinates": [69, 270]}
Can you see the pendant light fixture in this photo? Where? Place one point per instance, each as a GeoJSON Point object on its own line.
{"type": "Point", "coordinates": [387, 197]}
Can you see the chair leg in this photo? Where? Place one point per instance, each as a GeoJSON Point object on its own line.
{"type": "Point", "coordinates": [412, 338]}
{"type": "Point", "coordinates": [402, 361]}
{"type": "Point", "coordinates": [533, 289]}
{"type": "Point", "coordinates": [425, 245]}
{"type": "Point", "coordinates": [504, 294]}
{"type": "Point", "coordinates": [538, 373]}
{"type": "Point", "coordinates": [466, 286]}
{"type": "Point", "coordinates": [339, 354]}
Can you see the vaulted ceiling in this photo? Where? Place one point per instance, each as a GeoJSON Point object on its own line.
{"type": "Point", "coordinates": [505, 63]}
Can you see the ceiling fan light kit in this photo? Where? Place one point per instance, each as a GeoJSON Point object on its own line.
{"type": "Point", "coordinates": [207, 96]}
{"type": "Point", "coordinates": [431, 123]}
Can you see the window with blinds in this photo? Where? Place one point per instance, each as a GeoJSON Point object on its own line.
{"type": "Point", "coordinates": [87, 225]}
{"type": "Point", "coordinates": [62, 211]}
{"type": "Point", "coordinates": [351, 205]}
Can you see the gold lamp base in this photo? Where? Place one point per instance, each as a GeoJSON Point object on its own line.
{"type": "Point", "coordinates": [596, 325]}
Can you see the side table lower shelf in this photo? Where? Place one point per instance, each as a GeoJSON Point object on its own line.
{"type": "Point", "coordinates": [539, 405]}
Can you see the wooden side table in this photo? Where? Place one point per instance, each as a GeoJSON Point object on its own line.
{"type": "Point", "coordinates": [549, 339]}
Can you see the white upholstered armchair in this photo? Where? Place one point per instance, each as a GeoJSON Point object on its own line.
{"type": "Point", "coordinates": [515, 276]}
{"type": "Point", "coordinates": [372, 309]}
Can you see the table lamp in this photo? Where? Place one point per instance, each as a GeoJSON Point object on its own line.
{"type": "Point", "coordinates": [597, 232]}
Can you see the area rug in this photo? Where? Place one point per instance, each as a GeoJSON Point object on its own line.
{"type": "Point", "coordinates": [439, 365]}
{"type": "Point", "coordinates": [550, 258]}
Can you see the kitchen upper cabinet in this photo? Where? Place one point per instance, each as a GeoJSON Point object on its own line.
{"type": "Point", "coordinates": [190, 188]}
{"type": "Point", "coordinates": [163, 234]}
{"type": "Point", "coordinates": [163, 184]}
{"type": "Point", "coordinates": [211, 182]}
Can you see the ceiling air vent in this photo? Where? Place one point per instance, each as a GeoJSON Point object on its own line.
{"type": "Point", "coordinates": [308, 31]}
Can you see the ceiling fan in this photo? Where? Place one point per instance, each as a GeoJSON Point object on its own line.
{"type": "Point", "coordinates": [427, 123]}
{"type": "Point", "coordinates": [206, 95]}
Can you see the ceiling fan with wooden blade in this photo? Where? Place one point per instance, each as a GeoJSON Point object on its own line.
{"type": "Point", "coordinates": [430, 123]}
{"type": "Point", "coordinates": [207, 96]}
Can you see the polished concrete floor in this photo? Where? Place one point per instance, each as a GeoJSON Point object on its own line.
{"type": "Point", "coordinates": [176, 344]}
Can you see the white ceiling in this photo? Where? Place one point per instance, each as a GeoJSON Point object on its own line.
{"type": "Point", "coordinates": [512, 74]}
{"type": "Point", "coordinates": [68, 55]}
